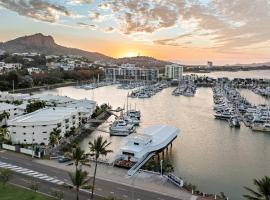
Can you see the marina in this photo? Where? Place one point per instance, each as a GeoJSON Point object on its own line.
{"type": "Point", "coordinates": [208, 150]}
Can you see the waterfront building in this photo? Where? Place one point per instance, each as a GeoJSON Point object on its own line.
{"type": "Point", "coordinates": [86, 107]}
{"type": "Point", "coordinates": [174, 71]}
{"type": "Point", "coordinates": [209, 65]}
{"type": "Point", "coordinates": [128, 72]}
{"type": "Point", "coordinates": [37, 126]}
{"type": "Point", "coordinates": [6, 96]}
{"type": "Point", "coordinates": [12, 110]}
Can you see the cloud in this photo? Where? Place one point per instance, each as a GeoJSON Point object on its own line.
{"type": "Point", "coordinates": [109, 29]}
{"type": "Point", "coordinates": [94, 15]}
{"type": "Point", "coordinates": [144, 16]}
{"type": "Point", "coordinates": [85, 25]}
{"type": "Point", "coordinates": [37, 9]}
{"type": "Point", "coordinates": [173, 41]}
{"type": "Point", "coordinates": [74, 2]}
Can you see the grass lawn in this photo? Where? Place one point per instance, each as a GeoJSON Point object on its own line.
{"type": "Point", "coordinates": [10, 192]}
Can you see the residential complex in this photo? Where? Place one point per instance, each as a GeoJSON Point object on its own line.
{"type": "Point", "coordinates": [8, 67]}
{"type": "Point", "coordinates": [36, 127]}
{"type": "Point", "coordinates": [174, 71]}
{"type": "Point", "coordinates": [131, 73]}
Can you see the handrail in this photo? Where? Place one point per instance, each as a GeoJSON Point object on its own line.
{"type": "Point", "coordinates": [139, 164]}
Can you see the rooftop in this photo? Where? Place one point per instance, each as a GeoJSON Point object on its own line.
{"type": "Point", "coordinates": [6, 106]}
{"type": "Point", "coordinates": [44, 115]}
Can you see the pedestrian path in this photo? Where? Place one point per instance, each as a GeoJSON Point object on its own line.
{"type": "Point", "coordinates": [31, 173]}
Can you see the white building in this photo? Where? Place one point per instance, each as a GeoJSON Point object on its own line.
{"type": "Point", "coordinates": [12, 110]}
{"type": "Point", "coordinates": [8, 67]}
{"type": "Point", "coordinates": [128, 72]}
{"type": "Point", "coordinates": [174, 71]}
{"type": "Point", "coordinates": [209, 65]}
{"type": "Point", "coordinates": [85, 107]}
{"type": "Point", "coordinates": [35, 70]}
{"type": "Point", "coordinates": [6, 96]}
{"type": "Point", "coordinates": [37, 126]}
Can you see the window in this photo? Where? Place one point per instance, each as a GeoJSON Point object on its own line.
{"type": "Point", "coordinates": [14, 132]}
{"type": "Point", "coordinates": [136, 143]}
{"type": "Point", "coordinates": [44, 125]}
{"type": "Point", "coordinates": [24, 140]}
{"type": "Point", "coordinates": [127, 153]}
{"type": "Point", "coordinates": [44, 138]}
{"type": "Point", "coordinates": [24, 133]}
{"type": "Point", "coordinates": [33, 126]}
{"type": "Point", "coordinates": [44, 132]}
{"type": "Point", "coordinates": [24, 126]}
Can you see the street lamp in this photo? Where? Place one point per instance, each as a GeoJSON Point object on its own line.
{"type": "Point", "coordinates": [161, 165]}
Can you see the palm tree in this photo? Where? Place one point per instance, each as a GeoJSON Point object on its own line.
{"type": "Point", "coordinates": [78, 156]}
{"type": "Point", "coordinates": [98, 148]}
{"type": "Point", "coordinates": [79, 179]}
{"type": "Point", "coordinates": [263, 189]}
{"type": "Point", "coordinates": [4, 134]}
{"type": "Point", "coordinates": [55, 136]}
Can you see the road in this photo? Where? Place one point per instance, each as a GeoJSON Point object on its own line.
{"type": "Point", "coordinates": [103, 188]}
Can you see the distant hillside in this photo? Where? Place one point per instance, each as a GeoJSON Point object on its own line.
{"type": "Point", "coordinates": [143, 61]}
{"type": "Point", "coordinates": [46, 45]}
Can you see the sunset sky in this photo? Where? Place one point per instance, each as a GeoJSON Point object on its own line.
{"type": "Point", "coordinates": [184, 31]}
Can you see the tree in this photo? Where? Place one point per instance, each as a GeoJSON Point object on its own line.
{"type": "Point", "coordinates": [35, 106]}
{"type": "Point", "coordinates": [79, 179]}
{"type": "Point", "coordinates": [4, 134]}
{"type": "Point", "coordinates": [78, 156]}
{"type": "Point", "coordinates": [5, 175]}
{"type": "Point", "coordinates": [98, 148]}
{"type": "Point", "coordinates": [263, 189]}
{"type": "Point", "coordinates": [55, 136]}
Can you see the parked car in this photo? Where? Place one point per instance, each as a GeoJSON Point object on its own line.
{"type": "Point", "coordinates": [63, 159]}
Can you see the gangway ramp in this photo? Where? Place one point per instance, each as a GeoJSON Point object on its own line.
{"type": "Point", "coordinates": [139, 164]}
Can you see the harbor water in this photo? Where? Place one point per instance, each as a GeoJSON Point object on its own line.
{"type": "Point", "coordinates": [207, 153]}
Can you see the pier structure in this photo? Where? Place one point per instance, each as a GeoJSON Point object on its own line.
{"type": "Point", "coordinates": [142, 147]}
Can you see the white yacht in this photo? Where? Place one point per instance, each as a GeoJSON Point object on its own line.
{"type": "Point", "coordinates": [134, 113]}
{"type": "Point", "coordinates": [264, 127]}
{"type": "Point", "coordinates": [131, 120]}
{"type": "Point", "coordinates": [121, 128]}
{"type": "Point", "coordinates": [154, 138]}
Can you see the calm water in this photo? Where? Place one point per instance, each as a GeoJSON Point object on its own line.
{"type": "Point", "coordinates": [208, 153]}
{"type": "Point", "coordinates": [239, 74]}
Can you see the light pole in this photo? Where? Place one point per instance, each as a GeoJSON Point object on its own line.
{"type": "Point", "coordinates": [161, 165]}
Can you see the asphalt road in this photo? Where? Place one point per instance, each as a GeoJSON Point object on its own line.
{"type": "Point", "coordinates": [103, 188]}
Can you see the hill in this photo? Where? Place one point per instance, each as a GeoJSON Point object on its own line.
{"type": "Point", "coordinates": [42, 44]}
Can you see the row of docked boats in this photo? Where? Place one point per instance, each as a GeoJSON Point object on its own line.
{"type": "Point", "coordinates": [126, 123]}
{"type": "Point", "coordinates": [92, 86]}
{"type": "Point", "coordinates": [131, 85]}
{"type": "Point", "coordinates": [262, 91]}
{"type": "Point", "coordinates": [229, 104]}
{"type": "Point", "coordinates": [148, 91]}
{"type": "Point", "coordinates": [187, 89]}
{"type": "Point", "coordinates": [258, 118]}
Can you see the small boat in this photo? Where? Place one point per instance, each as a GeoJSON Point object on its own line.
{"type": "Point", "coordinates": [234, 122]}
{"type": "Point", "coordinates": [121, 128]}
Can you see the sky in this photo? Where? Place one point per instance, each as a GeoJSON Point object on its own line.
{"type": "Point", "coordinates": [183, 31]}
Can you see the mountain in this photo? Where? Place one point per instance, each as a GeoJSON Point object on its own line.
{"type": "Point", "coordinates": [46, 45]}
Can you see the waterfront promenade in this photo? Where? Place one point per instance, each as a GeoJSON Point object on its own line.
{"type": "Point", "coordinates": [110, 181]}
{"type": "Point", "coordinates": [141, 180]}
